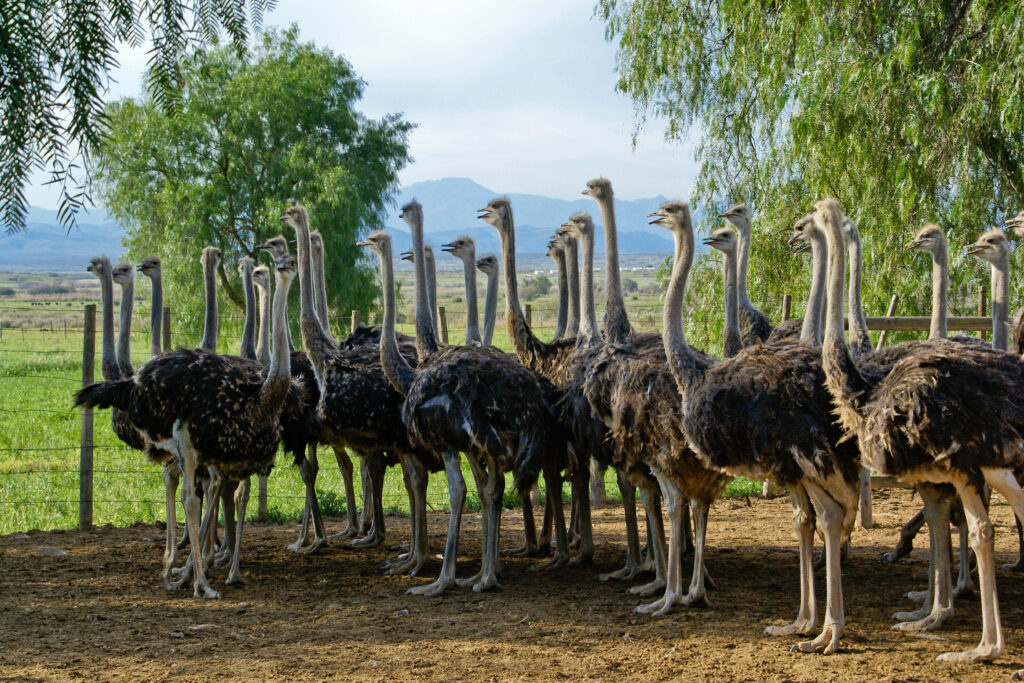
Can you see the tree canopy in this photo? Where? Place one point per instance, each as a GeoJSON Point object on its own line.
{"type": "Point", "coordinates": [905, 111]}
{"type": "Point", "coordinates": [252, 134]}
{"type": "Point", "coordinates": [55, 63]}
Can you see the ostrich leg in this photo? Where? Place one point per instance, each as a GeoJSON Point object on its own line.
{"type": "Point", "coordinates": [1017, 566]}
{"type": "Point", "coordinates": [938, 603]}
{"type": "Point", "coordinates": [651, 496]}
{"type": "Point", "coordinates": [553, 484]}
{"type": "Point", "coordinates": [803, 522]}
{"type": "Point", "coordinates": [375, 470]}
{"type": "Point", "coordinates": [172, 475]}
{"type": "Point", "coordinates": [906, 543]}
{"type": "Point", "coordinates": [413, 561]}
{"type": "Point", "coordinates": [632, 566]}
{"type": "Point", "coordinates": [585, 528]}
{"type": "Point", "coordinates": [241, 501]}
{"type": "Point", "coordinates": [308, 471]}
{"type": "Point", "coordinates": [456, 496]}
{"type": "Point", "coordinates": [187, 460]}
{"type": "Point", "coordinates": [351, 515]}
{"type": "Point", "coordinates": [830, 521]}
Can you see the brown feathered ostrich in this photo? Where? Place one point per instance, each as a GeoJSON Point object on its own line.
{"type": "Point", "coordinates": [488, 265]}
{"type": "Point", "coordinates": [208, 411]}
{"type": "Point", "coordinates": [464, 249]}
{"type": "Point", "coordinates": [754, 325]}
{"type": "Point", "coordinates": [457, 400]}
{"type": "Point", "coordinates": [430, 291]}
{"type": "Point", "coordinates": [556, 252]}
{"type": "Point", "coordinates": [765, 414]}
{"type": "Point", "coordinates": [897, 415]}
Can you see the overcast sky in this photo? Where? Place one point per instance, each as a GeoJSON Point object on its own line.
{"type": "Point", "coordinates": [519, 96]}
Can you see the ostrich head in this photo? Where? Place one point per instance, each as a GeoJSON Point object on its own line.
{"type": "Point", "coordinates": [554, 246]}
{"type": "Point", "coordinates": [461, 247]}
{"type": "Point", "coordinates": [99, 266]}
{"type": "Point", "coordinates": [406, 255]}
{"type": "Point", "coordinates": [275, 246]}
{"type": "Point", "coordinates": [598, 188]}
{"type": "Point", "coordinates": [993, 246]}
{"type": "Point", "coordinates": [286, 266]}
{"type": "Point", "coordinates": [739, 215]}
{"type": "Point", "coordinates": [316, 244]}
{"type": "Point", "coordinates": [245, 264]}
{"type": "Point", "coordinates": [672, 215]}
{"type": "Point", "coordinates": [1016, 224]}
{"type": "Point", "coordinates": [123, 273]}
{"type": "Point", "coordinates": [412, 213]}
{"type": "Point", "coordinates": [487, 264]}
{"type": "Point", "coordinates": [722, 239]}
{"type": "Point", "coordinates": [496, 213]}
{"type": "Point", "coordinates": [800, 238]}
{"type": "Point", "coordinates": [379, 241]}
{"type": "Point", "coordinates": [929, 238]}
{"type": "Point", "coordinates": [261, 276]}
{"type": "Point", "coordinates": [150, 266]}
{"type": "Point", "coordinates": [295, 216]}
{"type": "Point", "coordinates": [578, 226]}
{"type": "Point", "coordinates": [210, 257]}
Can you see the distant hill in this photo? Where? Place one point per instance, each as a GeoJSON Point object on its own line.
{"type": "Point", "coordinates": [44, 245]}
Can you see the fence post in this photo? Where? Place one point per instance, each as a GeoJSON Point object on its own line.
{"type": "Point", "coordinates": [85, 455]}
{"type": "Point", "coordinates": [890, 313]}
{"type": "Point", "coordinates": [529, 315]}
{"type": "Point", "coordinates": [167, 328]}
{"type": "Point", "coordinates": [444, 324]}
{"type": "Point", "coordinates": [787, 307]}
{"type": "Point", "coordinates": [355, 321]}
{"type": "Point", "coordinates": [982, 301]}
{"type": "Point", "coordinates": [261, 499]}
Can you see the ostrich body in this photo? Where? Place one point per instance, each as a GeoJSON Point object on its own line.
{"type": "Point", "coordinates": [556, 252]}
{"type": "Point", "coordinates": [210, 411]}
{"type": "Point", "coordinates": [488, 265]}
{"type": "Point", "coordinates": [754, 325]}
{"type": "Point", "coordinates": [464, 249]}
{"type": "Point", "coordinates": [765, 414]}
{"type": "Point", "coordinates": [897, 414]}
{"type": "Point", "coordinates": [456, 401]}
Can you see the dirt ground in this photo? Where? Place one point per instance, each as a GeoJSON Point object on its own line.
{"type": "Point", "coordinates": [98, 612]}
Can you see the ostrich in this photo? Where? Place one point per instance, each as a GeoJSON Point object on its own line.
{"type": "Point", "coordinates": [456, 400]}
{"type": "Point", "coordinates": [572, 277]}
{"type": "Point", "coordinates": [765, 414]}
{"type": "Point", "coordinates": [897, 414]}
{"type": "Point", "coordinates": [124, 276]}
{"type": "Point", "coordinates": [464, 249]}
{"type": "Point", "coordinates": [261, 280]}
{"type": "Point", "coordinates": [431, 289]}
{"type": "Point", "coordinates": [556, 252]}
{"type": "Point", "coordinates": [152, 268]}
{"type": "Point", "coordinates": [358, 407]}
{"type": "Point", "coordinates": [172, 398]}
{"type": "Point", "coordinates": [754, 325]}
{"type": "Point", "coordinates": [488, 265]}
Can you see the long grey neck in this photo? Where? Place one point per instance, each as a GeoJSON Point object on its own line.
{"type": "Point", "coordinates": [732, 341]}
{"type": "Point", "coordinates": [590, 332]}
{"type": "Point", "coordinates": [320, 292]}
{"type": "Point", "coordinates": [431, 272]}
{"type": "Point", "coordinates": [572, 277]}
{"type": "Point", "coordinates": [513, 311]}
{"type": "Point", "coordinates": [398, 371]}
{"type": "Point", "coordinates": [1000, 302]}
{"type": "Point", "coordinates": [247, 348]}
{"type": "Point", "coordinates": [490, 308]}
{"type": "Point", "coordinates": [811, 332]}
{"type": "Point", "coordinates": [472, 312]}
{"type": "Point", "coordinates": [263, 341]}
{"type": "Point", "coordinates": [563, 294]}
{"type": "Point", "coordinates": [617, 324]}
{"type": "Point", "coordinates": [316, 343]}
{"type": "Point", "coordinates": [860, 336]}
{"type": "Point", "coordinates": [209, 342]}
{"type": "Point", "coordinates": [834, 340]}
{"type": "Point", "coordinates": [742, 259]}
{"type": "Point", "coordinates": [156, 313]}
{"type": "Point", "coordinates": [108, 363]}
{"type": "Point", "coordinates": [280, 360]}
{"type": "Point", "coordinates": [677, 351]}
{"type": "Point", "coordinates": [426, 341]}
{"type": "Point", "coordinates": [124, 333]}
{"type": "Point", "coordinates": [940, 291]}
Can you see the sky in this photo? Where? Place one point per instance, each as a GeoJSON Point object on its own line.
{"type": "Point", "coordinates": [519, 96]}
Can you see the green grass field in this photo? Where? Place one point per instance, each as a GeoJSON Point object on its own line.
{"type": "Point", "coordinates": [41, 366]}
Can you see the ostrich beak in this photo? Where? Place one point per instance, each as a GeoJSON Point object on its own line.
{"type": "Point", "coordinates": [482, 214]}
{"type": "Point", "coordinates": [723, 215]}
{"type": "Point", "coordinates": [915, 244]}
{"type": "Point", "coordinates": [974, 249]}
{"type": "Point", "coordinates": [794, 240]}
{"type": "Point", "coordinates": [450, 247]}
{"type": "Point", "coordinates": [284, 218]}
{"type": "Point", "coordinates": [709, 241]}
{"type": "Point", "coordinates": [363, 243]}
{"type": "Point", "coordinates": [660, 217]}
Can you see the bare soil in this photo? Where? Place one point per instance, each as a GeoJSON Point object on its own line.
{"type": "Point", "coordinates": [98, 612]}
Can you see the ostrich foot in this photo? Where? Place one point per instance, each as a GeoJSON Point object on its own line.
{"type": "Point", "coordinates": [913, 616]}
{"type": "Point", "coordinates": [469, 581]}
{"type": "Point", "coordinates": [411, 565]}
{"type": "Point", "coordinates": [525, 550]}
{"type": "Point", "coordinates": [663, 606]}
{"type": "Point", "coordinates": [799, 627]}
{"type": "Point", "coordinates": [370, 541]}
{"type": "Point", "coordinates": [313, 548]}
{"type": "Point", "coordinates": [917, 596]}
{"type": "Point", "coordinates": [648, 589]}
{"type": "Point", "coordinates": [964, 592]}
{"type": "Point", "coordinates": [978, 654]}
{"type": "Point", "coordinates": [480, 582]}
{"type": "Point", "coordinates": [1017, 566]}
{"type": "Point", "coordinates": [556, 560]}
{"type": "Point", "coordinates": [929, 623]}
{"type": "Point", "coordinates": [826, 643]}
{"type": "Point", "coordinates": [399, 559]}
{"type": "Point", "coordinates": [168, 584]}
{"type": "Point", "coordinates": [582, 558]}
{"type": "Point", "coordinates": [1017, 675]}
{"type": "Point", "coordinates": [630, 570]}
{"type": "Point", "coordinates": [183, 574]}
{"type": "Point", "coordinates": [348, 532]}
{"type": "Point", "coordinates": [235, 578]}
{"type": "Point", "coordinates": [431, 590]}
{"type": "Point", "coordinates": [204, 591]}
{"type": "Point", "coordinates": [222, 559]}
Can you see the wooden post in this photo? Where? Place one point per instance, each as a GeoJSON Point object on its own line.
{"type": "Point", "coordinates": [261, 499]}
{"type": "Point", "coordinates": [85, 453]}
{"type": "Point", "coordinates": [892, 310]}
{"type": "Point", "coordinates": [787, 307]}
{"type": "Point", "coordinates": [866, 516]}
{"type": "Point", "coordinates": [529, 315]}
{"type": "Point", "coordinates": [982, 300]}
{"type": "Point", "coordinates": [167, 328]}
{"type": "Point", "coordinates": [444, 324]}
{"type": "Point", "coordinates": [355, 321]}
{"type": "Point", "coordinates": [65, 329]}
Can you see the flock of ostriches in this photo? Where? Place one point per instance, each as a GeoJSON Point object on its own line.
{"type": "Point", "coordinates": [796, 404]}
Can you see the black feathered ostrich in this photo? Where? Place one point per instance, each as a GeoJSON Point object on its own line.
{"type": "Point", "coordinates": [475, 400]}
{"type": "Point", "coordinates": [488, 265]}
{"type": "Point", "coordinates": [765, 414]}
{"type": "Point", "coordinates": [754, 325]}
{"type": "Point", "coordinates": [899, 415]}
{"type": "Point", "coordinates": [209, 411]}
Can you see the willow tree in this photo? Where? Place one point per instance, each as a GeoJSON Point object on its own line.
{"type": "Point", "coordinates": [905, 111]}
{"type": "Point", "coordinates": [253, 133]}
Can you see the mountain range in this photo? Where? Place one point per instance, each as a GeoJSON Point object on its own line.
{"type": "Point", "coordinates": [450, 210]}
